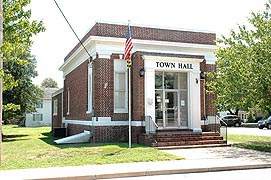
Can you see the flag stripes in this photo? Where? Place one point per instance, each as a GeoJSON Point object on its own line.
{"type": "Point", "coordinates": [128, 47]}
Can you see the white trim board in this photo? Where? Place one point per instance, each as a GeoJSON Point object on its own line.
{"type": "Point", "coordinates": [103, 123]}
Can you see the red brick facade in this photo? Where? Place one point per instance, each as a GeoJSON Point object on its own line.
{"type": "Point", "coordinates": [57, 118]}
{"type": "Point", "coordinates": [76, 83]}
{"type": "Point", "coordinates": [138, 108]}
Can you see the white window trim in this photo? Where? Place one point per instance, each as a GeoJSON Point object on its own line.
{"type": "Point", "coordinates": [120, 67]}
{"type": "Point", "coordinates": [68, 101]}
{"type": "Point", "coordinates": [90, 88]}
{"type": "Point", "coordinates": [55, 107]}
{"type": "Point", "coordinates": [41, 116]}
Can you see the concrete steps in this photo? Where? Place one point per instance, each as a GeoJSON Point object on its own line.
{"type": "Point", "coordinates": [185, 139]}
{"type": "Point", "coordinates": [192, 146]}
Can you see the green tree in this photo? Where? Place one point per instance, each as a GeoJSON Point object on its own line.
{"type": "Point", "coordinates": [243, 76]}
{"type": "Point", "coordinates": [25, 94]}
{"type": "Point", "coordinates": [18, 64]}
{"type": "Point", "coordinates": [49, 83]}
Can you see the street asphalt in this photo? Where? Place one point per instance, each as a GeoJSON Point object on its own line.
{"type": "Point", "coordinates": [196, 160]}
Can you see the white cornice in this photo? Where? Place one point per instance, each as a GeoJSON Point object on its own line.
{"type": "Point", "coordinates": [105, 46]}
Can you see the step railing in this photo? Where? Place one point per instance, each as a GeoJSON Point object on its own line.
{"type": "Point", "coordinates": [223, 128]}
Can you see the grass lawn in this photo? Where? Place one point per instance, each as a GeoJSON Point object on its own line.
{"type": "Point", "coordinates": [259, 143]}
{"type": "Point", "coordinates": [34, 148]}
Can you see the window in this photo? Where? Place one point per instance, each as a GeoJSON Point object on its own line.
{"type": "Point", "coordinates": [37, 117]}
{"type": "Point", "coordinates": [120, 90]}
{"type": "Point", "coordinates": [55, 107]}
{"type": "Point", "coordinates": [68, 101]}
{"type": "Point", "coordinates": [39, 105]}
{"type": "Point", "coordinates": [89, 88]}
{"type": "Point", "coordinates": [120, 87]}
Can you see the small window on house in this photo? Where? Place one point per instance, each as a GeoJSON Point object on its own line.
{"type": "Point", "coordinates": [39, 105]}
{"type": "Point", "coordinates": [37, 117]}
{"type": "Point", "coordinates": [55, 108]}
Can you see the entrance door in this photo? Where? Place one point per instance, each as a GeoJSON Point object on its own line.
{"type": "Point", "coordinates": [171, 109]}
{"type": "Point", "coordinates": [171, 99]}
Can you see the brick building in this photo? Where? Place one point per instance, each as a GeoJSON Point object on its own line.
{"type": "Point", "coordinates": [167, 82]}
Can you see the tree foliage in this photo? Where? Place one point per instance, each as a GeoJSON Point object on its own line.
{"type": "Point", "coordinates": [18, 63]}
{"type": "Point", "coordinates": [243, 77]}
{"type": "Point", "coordinates": [49, 83]}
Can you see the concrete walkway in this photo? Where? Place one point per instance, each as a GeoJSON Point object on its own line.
{"type": "Point", "coordinates": [197, 160]}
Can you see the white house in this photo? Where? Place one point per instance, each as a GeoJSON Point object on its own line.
{"type": "Point", "coordinates": [43, 114]}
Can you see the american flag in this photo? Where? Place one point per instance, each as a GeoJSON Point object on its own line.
{"type": "Point", "coordinates": [128, 47]}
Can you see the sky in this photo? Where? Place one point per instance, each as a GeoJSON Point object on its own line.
{"type": "Point", "coordinates": [50, 47]}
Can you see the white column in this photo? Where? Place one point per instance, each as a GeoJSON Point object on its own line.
{"type": "Point", "coordinates": [195, 101]}
{"type": "Point", "coordinates": [150, 93]}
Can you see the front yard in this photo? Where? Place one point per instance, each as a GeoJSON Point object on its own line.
{"type": "Point", "coordinates": [259, 143]}
{"type": "Point", "coordinates": [34, 148]}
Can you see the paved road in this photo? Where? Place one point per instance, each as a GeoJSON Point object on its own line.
{"type": "Point", "coordinates": [262, 174]}
{"type": "Point", "coordinates": [249, 131]}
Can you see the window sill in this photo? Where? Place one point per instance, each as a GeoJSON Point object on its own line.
{"type": "Point", "coordinates": [88, 112]}
{"type": "Point", "coordinates": [123, 111]}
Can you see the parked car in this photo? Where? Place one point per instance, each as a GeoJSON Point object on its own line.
{"type": "Point", "coordinates": [265, 123]}
{"type": "Point", "coordinates": [231, 120]}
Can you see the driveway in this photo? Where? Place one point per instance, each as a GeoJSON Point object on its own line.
{"type": "Point", "coordinates": [249, 131]}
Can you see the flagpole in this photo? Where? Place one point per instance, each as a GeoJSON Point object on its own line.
{"type": "Point", "coordinates": [129, 99]}
{"type": "Point", "coordinates": [129, 111]}
{"type": "Point", "coordinates": [127, 57]}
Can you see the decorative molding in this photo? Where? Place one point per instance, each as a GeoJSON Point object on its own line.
{"type": "Point", "coordinates": [103, 123]}
{"type": "Point", "coordinates": [105, 46]}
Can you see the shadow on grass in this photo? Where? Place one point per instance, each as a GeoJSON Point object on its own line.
{"type": "Point", "coordinates": [263, 146]}
{"type": "Point", "coordinates": [17, 137]}
{"type": "Point", "coordinates": [49, 139]}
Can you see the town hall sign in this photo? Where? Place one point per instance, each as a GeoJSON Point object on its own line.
{"type": "Point", "coordinates": [174, 65]}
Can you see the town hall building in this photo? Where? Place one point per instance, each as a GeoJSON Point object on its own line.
{"type": "Point", "coordinates": [168, 91]}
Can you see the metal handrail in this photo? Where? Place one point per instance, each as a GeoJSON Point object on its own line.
{"type": "Point", "coordinates": [226, 126]}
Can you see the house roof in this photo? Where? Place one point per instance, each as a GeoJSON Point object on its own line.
{"type": "Point", "coordinates": [48, 92]}
{"type": "Point", "coordinates": [147, 33]}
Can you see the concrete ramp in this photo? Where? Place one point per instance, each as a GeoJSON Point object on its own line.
{"type": "Point", "coordinates": [77, 138]}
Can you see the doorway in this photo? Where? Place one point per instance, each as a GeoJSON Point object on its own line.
{"type": "Point", "coordinates": [171, 106]}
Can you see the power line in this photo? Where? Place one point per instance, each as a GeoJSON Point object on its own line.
{"type": "Point", "coordinates": [72, 28]}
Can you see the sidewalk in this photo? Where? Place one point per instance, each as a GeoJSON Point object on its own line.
{"type": "Point", "coordinates": [197, 160]}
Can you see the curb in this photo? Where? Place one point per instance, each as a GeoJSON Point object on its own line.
{"type": "Point", "coordinates": [160, 172]}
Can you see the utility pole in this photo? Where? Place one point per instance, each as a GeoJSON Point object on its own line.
{"type": "Point", "coordinates": [1, 82]}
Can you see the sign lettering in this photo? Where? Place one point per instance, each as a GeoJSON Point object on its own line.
{"type": "Point", "coordinates": [174, 65]}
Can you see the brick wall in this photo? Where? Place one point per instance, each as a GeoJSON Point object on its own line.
{"type": "Point", "coordinates": [57, 119]}
{"type": "Point", "coordinates": [77, 83]}
{"type": "Point", "coordinates": [138, 105]}
{"type": "Point", "coordinates": [107, 133]}
{"type": "Point", "coordinates": [103, 87]}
